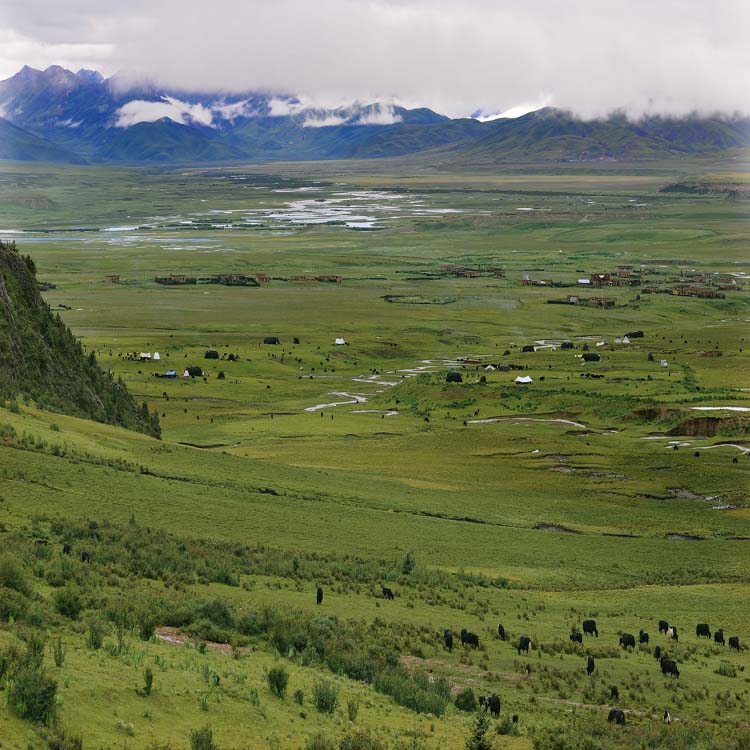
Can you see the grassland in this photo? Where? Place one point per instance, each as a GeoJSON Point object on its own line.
{"type": "Point", "coordinates": [567, 493]}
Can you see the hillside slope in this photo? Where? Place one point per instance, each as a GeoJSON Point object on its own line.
{"type": "Point", "coordinates": [17, 144]}
{"type": "Point", "coordinates": [41, 359]}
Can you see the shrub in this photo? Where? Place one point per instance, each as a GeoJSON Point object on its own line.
{"type": "Point", "coordinates": [278, 678]}
{"type": "Point", "coordinates": [361, 739]}
{"type": "Point", "coordinates": [466, 700]}
{"type": "Point", "coordinates": [13, 606]}
{"type": "Point", "coordinates": [319, 741]}
{"type": "Point", "coordinates": [58, 651]}
{"type": "Point", "coordinates": [352, 709]}
{"type": "Point", "coordinates": [325, 696]}
{"type": "Point", "coordinates": [68, 602]}
{"type": "Point", "coordinates": [480, 739]}
{"type": "Point", "coordinates": [148, 681]}
{"type": "Point", "coordinates": [95, 634]}
{"type": "Point", "coordinates": [31, 693]}
{"type": "Point", "coordinates": [202, 739]}
{"type": "Point", "coordinates": [299, 697]}
{"type": "Point", "coordinates": [410, 562]}
{"type": "Point", "coordinates": [727, 669]}
{"type": "Point", "coordinates": [58, 739]}
{"type": "Point", "coordinates": [12, 575]}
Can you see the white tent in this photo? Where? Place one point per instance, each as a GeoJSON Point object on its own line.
{"type": "Point", "coordinates": [145, 355]}
{"type": "Point", "coordinates": [524, 379]}
{"type": "Point", "coordinates": [625, 340]}
{"type": "Point", "coordinates": [339, 342]}
{"type": "Point", "coordinates": [186, 374]}
{"type": "Point", "coordinates": [664, 363]}
{"type": "Point", "coordinates": [490, 368]}
{"type": "Point", "coordinates": [157, 357]}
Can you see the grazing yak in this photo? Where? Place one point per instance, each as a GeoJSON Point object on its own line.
{"type": "Point", "coordinates": [501, 632]}
{"type": "Point", "coordinates": [657, 652]}
{"type": "Point", "coordinates": [642, 636]}
{"type": "Point", "coordinates": [614, 692]}
{"type": "Point", "coordinates": [387, 593]}
{"type": "Point", "coordinates": [663, 626]}
{"type": "Point", "coordinates": [702, 630]}
{"type": "Point", "coordinates": [672, 633]}
{"type": "Point", "coordinates": [668, 667]}
{"type": "Point", "coordinates": [67, 549]}
{"type": "Point", "coordinates": [524, 644]}
{"type": "Point", "coordinates": [448, 639]}
{"type": "Point", "coordinates": [491, 703]}
{"type": "Point", "coordinates": [469, 639]}
{"type": "Point", "coordinates": [616, 716]}
{"type": "Point", "coordinates": [319, 596]}
{"type": "Point", "coordinates": [667, 716]}
{"type": "Point", "coordinates": [734, 643]}
{"type": "Point", "coordinates": [590, 665]}
{"type": "Point", "coordinates": [627, 640]}
{"type": "Point", "coordinates": [589, 628]}
{"type": "Point", "coordinates": [85, 556]}
{"type": "Point", "coordinates": [576, 637]}
{"type": "Point", "coordinates": [719, 637]}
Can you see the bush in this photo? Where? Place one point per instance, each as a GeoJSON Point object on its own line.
{"type": "Point", "coordinates": [32, 694]}
{"type": "Point", "coordinates": [466, 700]}
{"type": "Point", "coordinates": [410, 562]}
{"type": "Point", "coordinates": [148, 681]}
{"type": "Point", "coordinates": [13, 605]}
{"type": "Point", "coordinates": [479, 738]}
{"type": "Point", "coordinates": [202, 739]}
{"type": "Point", "coordinates": [299, 697]}
{"type": "Point", "coordinates": [325, 696]}
{"type": "Point", "coordinates": [58, 651]}
{"type": "Point", "coordinates": [727, 669]}
{"type": "Point", "coordinates": [12, 576]}
{"type": "Point", "coordinates": [319, 741]}
{"type": "Point", "coordinates": [278, 678]}
{"type": "Point", "coordinates": [352, 709]}
{"type": "Point", "coordinates": [95, 634]}
{"type": "Point", "coordinates": [68, 602]}
{"type": "Point", "coordinates": [361, 739]}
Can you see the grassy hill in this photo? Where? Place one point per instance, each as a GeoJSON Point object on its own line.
{"type": "Point", "coordinates": [43, 361]}
{"type": "Point", "coordinates": [17, 144]}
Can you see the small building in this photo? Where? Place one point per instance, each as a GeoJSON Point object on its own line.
{"type": "Point", "coordinates": [113, 278]}
{"type": "Point", "coordinates": [274, 340]}
{"type": "Point", "coordinates": [600, 279]}
{"type": "Point", "coordinates": [330, 278]}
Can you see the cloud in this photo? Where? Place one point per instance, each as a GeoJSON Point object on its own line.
{"type": "Point", "coordinates": [139, 110]}
{"type": "Point", "coordinates": [323, 121]}
{"type": "Point", "coordinates": [378, 114]}
{"type": "Point", "coordinates": [456, 57]}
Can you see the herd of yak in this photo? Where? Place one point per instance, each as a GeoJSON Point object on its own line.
{"type": "Point", "coordinates": [627, 641]}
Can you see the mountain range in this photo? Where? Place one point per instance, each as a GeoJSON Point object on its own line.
{"type": "Point", "coordinates": [62, 116]}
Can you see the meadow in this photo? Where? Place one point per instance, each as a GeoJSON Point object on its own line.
{"type": "Point", "coordinates": [536, 506]}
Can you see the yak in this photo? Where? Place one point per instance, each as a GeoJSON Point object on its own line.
{"type": "Point", "coordinates": [589, 628]}
{"type": "Point", "coordinates": [616, 716]}
{"type": "Point", "coordinates": [668, 666]}
{"type": "Point", "coordinates": [702, 630]}
{"type": "Point", "coordinates": [524, 644]}
{"type": "Point", "coordinates": [734, 643]}
{"type": "Point", "coordinates": [590, 665]}
{"type": "Point", "coordinates": [501, 632]}
{"type": "Point", "coordinates": [448, 639]}
{"type": "Point", "coordinates": [719, 636]}
{"type": "Point", "coordinates": [576, 637]}
{"type": "Point", "coordinates": [627, 640]}
{"type": "Point", "coordinates": [319, 595]}
{"type": "Point", "coordinates": [387, 593]}
{"type": "Point", "coordinates": [642, 637]}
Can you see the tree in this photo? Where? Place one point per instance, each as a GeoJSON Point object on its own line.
{"type": "Point", "coordinates": [479, 738]}
{"type": "Point", "coordinates": [410, 562]}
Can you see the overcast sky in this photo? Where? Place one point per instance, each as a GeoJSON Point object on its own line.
{"type": "Point", "coordinates": [455, 56]}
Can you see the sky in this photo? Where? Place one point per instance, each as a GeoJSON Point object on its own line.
{"type": "Point", "coordinates": [455, 56]}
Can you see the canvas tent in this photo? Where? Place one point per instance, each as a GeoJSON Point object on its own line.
{"type": "Point", "coordinates": [524, 379]}
{"type": "Point", "coordinates": [339, 341]}
{"type": "Point", "coordinates": [157, 356]}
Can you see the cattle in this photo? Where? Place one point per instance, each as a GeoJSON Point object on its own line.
{"type": "Point", "coordinates": [667, 716]}
{"type": "Point", "coordinates": [576, 637]}
{"type": "Point", "coordinates": [590, 665]}
{"type": "Point", "coordinates": [319, 596]}
{"type": "Point", "coordinates": [501, 632]}
{"type": "Point", "coordinates": [524, 644]}
{"type": "Point", "coordinates": [469, 639]}
{"type": "Point", "coordinates": [734, 643]}
{"type": "Point", "coordinates": [663, 626]}
{"type": "Point", "coordinates": [614, 692]}
{"type": "Point", "coordinates": [719, 637]}
{"type": "Point", "coordinates": [387, 593]}
{"type": "Point", "coordinates": [657, 652]}
{"type": "Point", "coordinates": [67, 549]}
{"type": "Point", "coordinates": [448, 639]}
{"type": "Point", "coordinates": [493, 704]}
{"type": "Point", "coordinates": [627, 640]}
{"type": "Point", "coordinates": [672, 633]}
{"type": "Point", "coordinates": [616, 716]}
{"type": "Point", "coordinates": [643, 637]}
{"type": "Point", "coordinates": [515, 719]}
{"type": "Point", "coordinates": [589, 628]}
{"type": "Point", "coordinates": [668, 667]}
{"type": "Point", "coordinates": [702, 630]}
{"type": "Point", "coordinates": [85, 556]}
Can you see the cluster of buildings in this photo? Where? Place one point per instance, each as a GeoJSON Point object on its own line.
{"type": "Point", "coordinates": [225, 279]}
{"type": "Point", "coordinates": [472, 272]}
